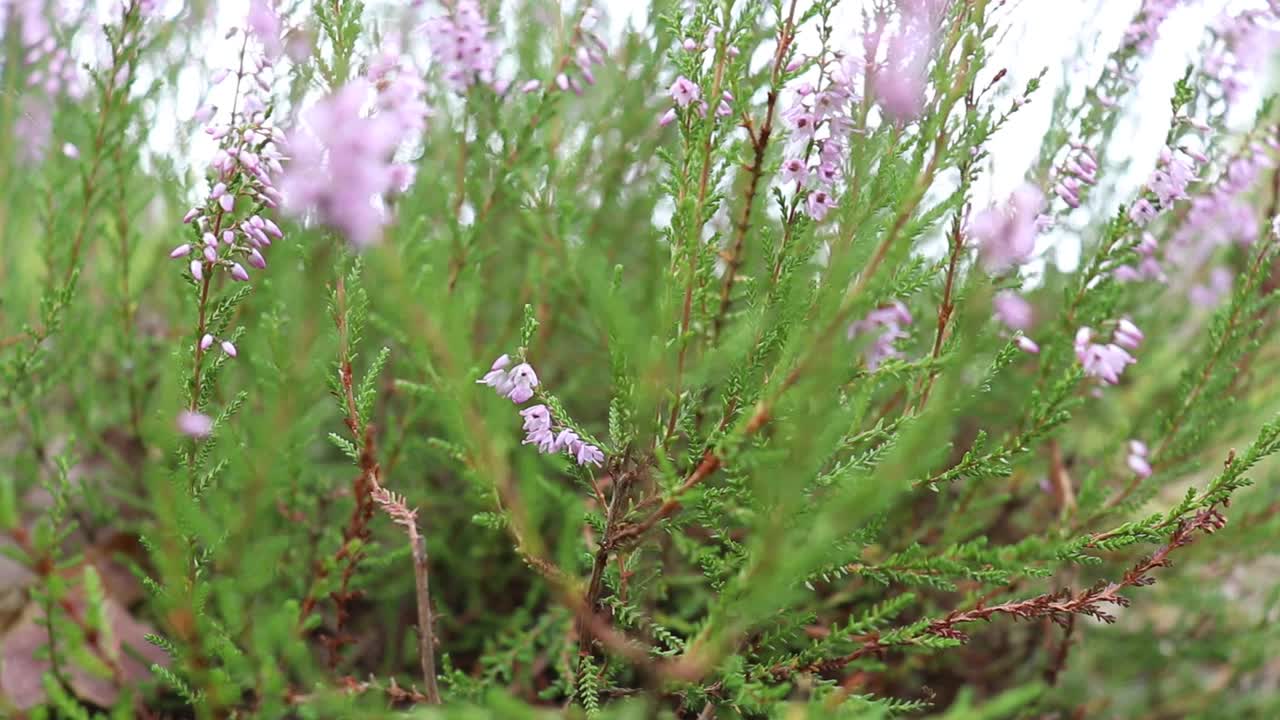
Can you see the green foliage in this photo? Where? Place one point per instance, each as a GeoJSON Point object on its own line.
{"type": "Point", "coordinates": [804, 510]}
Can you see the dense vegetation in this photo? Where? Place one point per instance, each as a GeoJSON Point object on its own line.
{"type": "Point", "coordinates": [480, 359]}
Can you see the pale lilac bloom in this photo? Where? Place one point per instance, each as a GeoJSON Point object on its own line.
{"type": "Point", "coordinates": [1127, 335]}
{"type": "Point", "coordinates": [522, 381]}
{"type": "Point", "coordinates": [1007, 234]}
{"type": "Point", "coordinates": [206, 342]}
{"type": "Point", "coordinates": [341, 162]}
{"type": "Point", "coordinates": [1013, 310]}
{"type": "Point", "coordinates": [264, 24]}
{"type": "Point", "coordinates": [497, 372]}
{"type": "Point", "coordinates": [900, 85]}
{"type": "Point", "coordinates": [684, 91]}
{"type": "Point", "coordinates": [1137, 459]}
{"type": "Point", "coordinates": [461, 42]}
{"type": "Point", "coordinates": [194, 424]}
{"type": "Point", "coordinates": [795, 170]}
{"type": "Point", "coordinates": [1027, 345]}
{"type": "Point", "coordinates": [819, 204]}
{"type": "Point", "coordinates": [565, 439]}
{"type": "Point", "coordinates": [1219, 285]}
{"type": "Point", "coordinates": [1105, 362]}
{"type": "Point", "coordinates": [887, 322]}
{"type": "Point", "coordinates": [1142, 212]}
{"type": "Point", "coordinates": [589, 455]}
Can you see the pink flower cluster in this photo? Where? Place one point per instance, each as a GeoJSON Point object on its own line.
{"type": "Point", "coordinates": [461, 42]}
{"type": "Point", "coordinates": [230, 225]}
{"type": "Point", "coordinates": [517, 385]}
{"type": "Point", "coordinates": [1137, 459]}
{"type": "Point", "coordinates": [1145, 28]}
{"type": "Point", "coordinates": [901, 81]}
{"type": "Point", "coordinates": [194, 424]}
{"type": "Point", "coordinates": [343, 160]}
{"type": "Point", "coordinates": [1079, 169]}
{"type": "Point", "coordinates": [540, 431]}
{"type": "Point", "coordinates": [51, 73]}
{"type": "Point", "coordinates": [1006, 234]}
{"type": "Point", "coordinates": [1107, 362]}
{"type": "Point", "coordinates": [685, 92]}
{"type": "Point", "coordinates": [1248, 40]}
{"type": "Point", "coordinates": [1016, 313]}
{"type": "Point", "coordinates": [820, 119]}
{"type": "Point", "coordinates": [1174, 172]}
{"type": "Point", "coordinates": [588, 50]}
{"type": "Point", "coordinates": [1220, 215]}
{"type": "Point", "coordinates": [888, 323]}
{"type": "Point", "coordinates": [242, 178]}
{"type": "Point", "coordinates": [1148, 267]}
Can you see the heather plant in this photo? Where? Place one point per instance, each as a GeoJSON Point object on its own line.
{"type": "Point", "coordinates": [513, 359]}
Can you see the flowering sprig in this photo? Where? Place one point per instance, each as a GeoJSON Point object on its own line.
{"type": "Point", "coordinates": [230, 225]}
{"type": "Point", "coordinates": [518, 384]}
{"type": "Point", "coordinates": [463, 44]}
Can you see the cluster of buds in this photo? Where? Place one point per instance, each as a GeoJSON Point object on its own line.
{"type": "Point", "coordinates": [1168, 182]}
{"type": "Point", "coordinates": [586, 50]}
{"type": "Point", "coordinates": [1080, 169]}
{"type": "Point", "coordinates": [1137, 459]}
{"type": "Point", "coordinates": [229, 227]}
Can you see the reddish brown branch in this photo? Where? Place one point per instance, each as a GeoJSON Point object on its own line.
{"type": "Point", "coordinates": [1060, 607]}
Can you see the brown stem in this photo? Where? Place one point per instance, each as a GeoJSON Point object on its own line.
{"type": "Point", "coordinates": [760, 145]}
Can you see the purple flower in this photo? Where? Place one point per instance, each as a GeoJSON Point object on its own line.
{"type": "Point", "coordinates": [1007, 235]}
{"type": "Point", "coordinates": [342, 162]}
{"type": "Point", "coordinates": [566, 439]}
{"type": "Point", "coordinates": [194, 424]}
{"type": "Point", "coordinates": [819, 204]}
{"type": "Point", "coordinates": [522, 380]}
{"type": "Point", "coordinates": [497, 372]}
{"type": "Point", "coordinates": [589, 455]}
{"type": "Point", "coordinates": [263, 23]}
{"type": "Point", "coordinates": [197, 269]}
{"type": "Point", "coordinates": [461, 43]}
{"type": "Point", "coordinates": [1137, 459]}
{"type": "Point", "coordinates": [1012, 310]}
{"type": "Point", "coordinates": [794, 169]}
{"type": "Point", "coordinates": [181, 251]}
{"type": "Point", "coordinates": [684, 91]}
{"type": "Point", "coordinates": [1127, 335]}
{"type": "Point", "coordinates": [1027, 345]}
{"type": "Point", "coordinates": [887, 322]}
{"type": "Point", "coordinates": [228, 348]}
{"type": "Point", "coordinates": [1142, 212]}
{"type": "Point", "coordinates": [1105, 362]}
{"type": "Point", "coordinates": [206, 342]}
{"type": "Point", "coordinates": [801, 124]}
{"type": "Point", "coordinates": [901, 83]}
{"type": "Point", "coordinates": [239, 273]}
